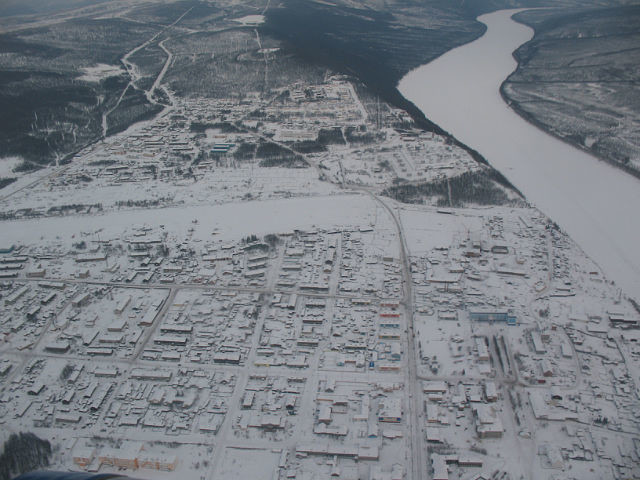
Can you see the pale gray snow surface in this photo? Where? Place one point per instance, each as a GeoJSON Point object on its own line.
{"type": "Point", "coordinates": [595, 203]}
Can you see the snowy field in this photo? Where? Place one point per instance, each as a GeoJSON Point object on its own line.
{"type": "Point", "coordinates": [99, 72]}
{"type": "Point", "coordinates": [230, 220]}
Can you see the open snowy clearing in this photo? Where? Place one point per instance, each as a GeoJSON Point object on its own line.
{"type": "Point", "coordinates": [7, 164]}
{"type": "Point", "coordinates": [100, 72]}
{"type": "Point", "coordinates": [230, 220]}
{"type": "Point", "coordinates": [250, 20]}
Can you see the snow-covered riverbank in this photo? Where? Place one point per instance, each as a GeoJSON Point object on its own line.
{"type": "Point", "coordinates": [592, 201]}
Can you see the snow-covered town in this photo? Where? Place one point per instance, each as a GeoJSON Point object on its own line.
{"type": "Point", "coordinates": [335, 333]}
{"type": "Point", "coordinates": [288, 284]}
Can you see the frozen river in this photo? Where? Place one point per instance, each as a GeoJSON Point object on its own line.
{"type": "Point", "coordinates": [596, 204]}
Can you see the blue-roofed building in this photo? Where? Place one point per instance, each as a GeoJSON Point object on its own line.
{"type": "Point", "coordinates": [222, 147]}
{"type": "Point", "coordinates": [493, 316]}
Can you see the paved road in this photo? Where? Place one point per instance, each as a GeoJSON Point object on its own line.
{"type": "Point", "coordinates": [415, 406]}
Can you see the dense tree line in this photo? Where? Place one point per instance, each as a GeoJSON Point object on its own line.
{"type": "Point", "coordinates": [143, 203]}
{"type": "Point", "coordinates": [329, 136]}
{"type": "Point", "coordinates": [309, 146]}
{"type": "Point", "coordinates": [274, 155]}
{"type": "Point", "coordinates": [470, 187]}
{"type": "Point", "coordinates": [245, 151]}
{"type": "Point", "coordinates": [6, 181]}
{"type": "Point", "coordinates": [133, 107]}
{"type": "Point", "coordinates": [23, 452]}
{"type": "Point", "coordinates": [74, 208]}
{"type": "Point", "coordinates": [102, 163]}
{"type": "Point", "coordinates": [359, 136]}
